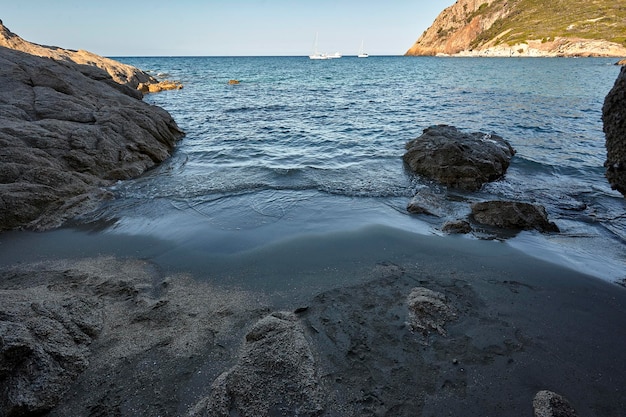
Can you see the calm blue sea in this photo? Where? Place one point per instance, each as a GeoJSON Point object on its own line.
{"type": "Point", "coordinates": [302, 146]}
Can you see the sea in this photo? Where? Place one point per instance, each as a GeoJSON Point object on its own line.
{"type": "Point", "coordinates": [302, 148]}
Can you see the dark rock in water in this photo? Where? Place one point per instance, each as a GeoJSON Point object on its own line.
{"type": "Point", "coordinates": [513, 215]}
{"type": "Point", "coordinates": [457, 227]}
{"type": "Point", "coordinates": [426, 202]}
{"type": "Point", "coordinates": [456, 159]}
{"type": "Point", "coordinates": [550, 404]}
{"type": "Point", "coordinates": [614, 119]}
{"type": "Point", "coordinates": [65, 132]}
{"type": "Point", "coordinates": [276, 375]}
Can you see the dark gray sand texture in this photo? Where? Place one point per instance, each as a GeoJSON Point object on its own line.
{"type": "Point", "coordinates": [522, 325]}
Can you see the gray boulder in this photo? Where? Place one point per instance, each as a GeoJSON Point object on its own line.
{"type": "Point", "coordinates": [276, 375]}
{"type": "Point", "coordinates": [614, 119]}
{"type": "Point", "coordinates": [456, 159]}
{"type": "Point", "coordinates": [66, 131]}
{"type": "Point", "coordinates": [550, 404]}
{"type": "Point", "coordinates": [513, 215]}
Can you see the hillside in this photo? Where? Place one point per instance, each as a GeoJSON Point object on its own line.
{"type": "Point", "coordinates": [527, 28]}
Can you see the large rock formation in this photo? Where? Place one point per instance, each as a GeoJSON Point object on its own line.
{"type": "Point", "coordinates": [521, 28]}
{"type": "Point", "coordinates": [456, 159]}
{"type": "Point", "coordinates": [120, 73]}
{"type": "Point", "coordinates": [65, 131]}
{"type": "Point", "coordinates": [614, 119]}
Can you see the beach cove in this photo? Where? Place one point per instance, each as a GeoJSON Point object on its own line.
{"type": "Point", "coordinates": [285, 205]}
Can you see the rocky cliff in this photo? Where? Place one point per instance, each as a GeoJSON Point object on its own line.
{"type": "Point", "coordinates": [120, 73]}
{"type": "Point", "coordinates": [526, 28]}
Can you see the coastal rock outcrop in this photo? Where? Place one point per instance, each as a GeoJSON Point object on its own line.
{"type": "Point", "coordinates": [614, 120]}
{"type": "Point", "coordinates": [65, 132]}
{"type": "Point", "coordinates": [520, 28]}
{"type": "Point", "coordinates": [120, 73]}
{"type": "Point", "coordinates": [456, 159]}
{"type": "Point", "coordinates": [513, 215]}
{"type": "Point", "coordinates": [276, 374]}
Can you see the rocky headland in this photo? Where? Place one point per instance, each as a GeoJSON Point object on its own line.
{"type": "Point", "coordinates": [68, 130]}
{"type": "Point", "coordinates": [525, 28]}
{"type": "Point", "coordinates": [120, 73]}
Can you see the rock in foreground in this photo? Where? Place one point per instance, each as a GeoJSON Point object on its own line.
{"type": "Point", "coordinates": [276, 374]}
{"type": "Point", "coordinates": [550, 404]}
{"type": "Point", "coordinates": [513, 215]}
{"type": "Point", "coordinates": [456, 159]}
{"type": "Point", "coordinates": [65, 131]}
{"type": "Point", "coordinates": [614, 119]}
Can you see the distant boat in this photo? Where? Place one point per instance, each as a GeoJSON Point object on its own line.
{"type": "Point", "coordinates": [318, 55]}
{"type": "Point", "coordinates": [362, 53]}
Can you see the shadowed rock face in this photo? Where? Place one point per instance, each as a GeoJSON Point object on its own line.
{"type": "Point", "coordinates": [614, 119]}
{"type": "Point", "coordinates": [65, 131]}
{"type": "Point", "coordinates": [456, 159]}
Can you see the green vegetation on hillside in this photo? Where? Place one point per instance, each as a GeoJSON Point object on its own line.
{"type": "Point", "coordinates": [545, 20]}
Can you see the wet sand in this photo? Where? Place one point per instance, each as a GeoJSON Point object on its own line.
{"type": "Point", "coordinates": [523, 324]}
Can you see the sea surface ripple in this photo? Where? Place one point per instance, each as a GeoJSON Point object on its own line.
{"type": "Point", "coordinates": [293, 130]}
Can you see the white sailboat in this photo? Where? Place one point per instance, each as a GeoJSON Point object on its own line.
{"type": "Point", "coordinates": [316, 54]}
{"type": "Point", "coordinates": [362, 53]}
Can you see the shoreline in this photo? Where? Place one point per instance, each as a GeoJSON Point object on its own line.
{"type": "Point", "coordinates": [522, 324]}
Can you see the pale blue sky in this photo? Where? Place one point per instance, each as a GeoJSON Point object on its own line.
{"type": "Point", "coordinates": [236, 27]}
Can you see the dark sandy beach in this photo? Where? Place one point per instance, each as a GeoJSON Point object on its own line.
{"type": "Point", "coordinates": [521, 325]}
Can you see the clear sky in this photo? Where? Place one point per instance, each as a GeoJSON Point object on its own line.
{"type": "Point", "coordinates": [216, 28]}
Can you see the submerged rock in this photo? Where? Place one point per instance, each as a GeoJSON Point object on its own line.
{"type": "Point", "coordinates": [65, 133]}
{"type": "Point", "coordinates": [456, 159]}
{"type": "Point", "coordinates": [428, 202]}
{"type": "Point", "coordinates": [457, 227]}
{"type": "Point", "coordinates": [550, 404]}
{"type": "Point", "coordinates": [614, 119]}
{"type": "Point", "coordinates": [513, 215]}
{"type": "Point", "coordinates": [276, 375]}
